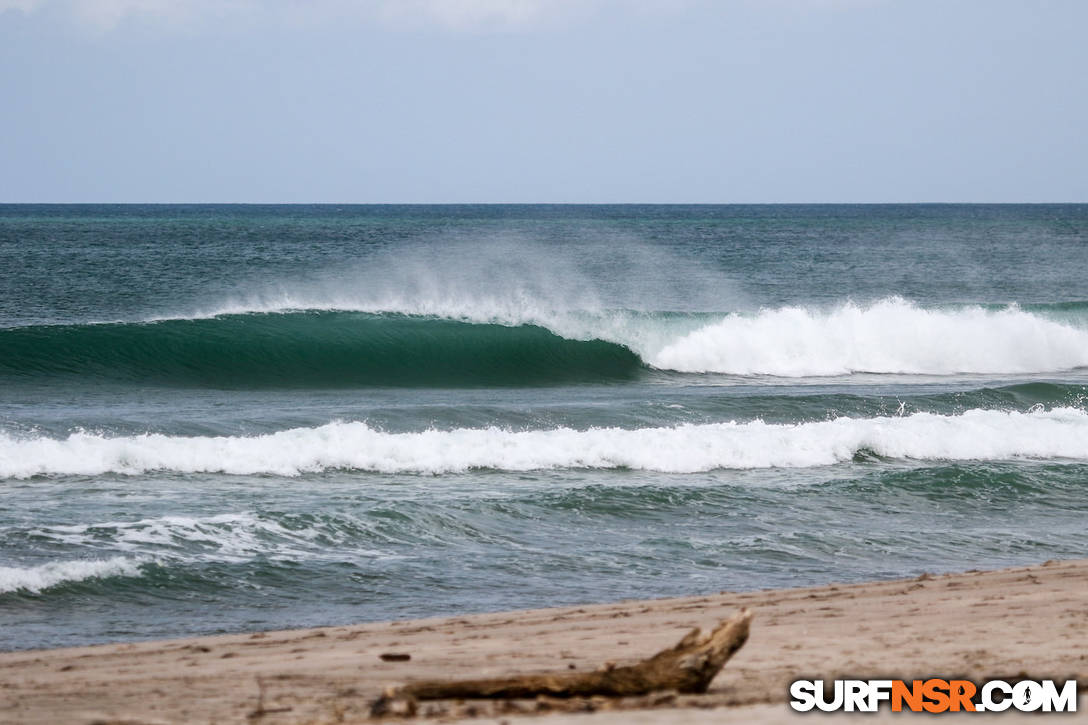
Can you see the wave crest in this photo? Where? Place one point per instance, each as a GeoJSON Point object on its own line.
{"type": "Point", "coordinates": [55, 573]}
{"type": "Point", "coordinates": [973, 435]}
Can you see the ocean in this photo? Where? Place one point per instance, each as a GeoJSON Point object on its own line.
{"type": "Point", "coordinates": [234, 418]}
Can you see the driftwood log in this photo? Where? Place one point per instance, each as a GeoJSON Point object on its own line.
{"type": "Point", "coordinates": [687, 667]}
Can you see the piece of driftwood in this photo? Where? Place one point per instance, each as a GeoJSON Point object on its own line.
{"type": "Point", "coordinates": [687, 667]}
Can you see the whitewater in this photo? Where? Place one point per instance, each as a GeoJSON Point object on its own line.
{"type": "Point", "coordinates": [890, 336]}
{"type": "Point", "coordinates": [983, 435]}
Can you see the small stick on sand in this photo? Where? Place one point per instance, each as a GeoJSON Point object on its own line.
{"type": "Point", "coordinates": [687, 667]}
{"type": "Point", "coordinates": [261, 710]}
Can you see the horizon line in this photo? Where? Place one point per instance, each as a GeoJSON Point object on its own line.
{"type": "Point", "coordinates": [542, 203]}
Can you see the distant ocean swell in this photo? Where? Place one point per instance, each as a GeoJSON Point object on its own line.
{"type": "Point", "coordinates": [357, 348]}
{"type": "Point", "coordinates": [1060, 433]}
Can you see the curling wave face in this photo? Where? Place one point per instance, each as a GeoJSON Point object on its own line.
{"type": "Point", "coordinates": [972, 435]}
{"type": "Point", "coordinates": [299, 349]}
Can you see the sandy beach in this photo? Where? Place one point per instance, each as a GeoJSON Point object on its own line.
{"type": "Point", "coordinates": [1029, 622]}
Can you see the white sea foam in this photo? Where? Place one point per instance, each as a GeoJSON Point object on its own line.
{"type": "Point", "coordinates": [227, 537]}
{"type": "Point", "coordinates": [233, 537]}
{"type": "Point", "coordinates": [890, 336]}
{"type": "Point", "coordinates": [44, 576]}
{"type": "Point", "coordinates": [973, 435]}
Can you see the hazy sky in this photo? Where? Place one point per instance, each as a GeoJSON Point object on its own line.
{"type": "Point", "coordinates": [543, 100]}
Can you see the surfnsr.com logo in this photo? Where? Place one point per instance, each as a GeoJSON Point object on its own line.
{"type": "Point", "coordinates": [933, 695]}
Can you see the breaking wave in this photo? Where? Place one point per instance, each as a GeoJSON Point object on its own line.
{"type": "Point", "coordinates": [973, 435]}
{"type": "Point", "coordinates": [891, 336]}
{"type": "Point", "coordinates": [35, 579]}
{"type": "Point", "coordinates": [343, 348]}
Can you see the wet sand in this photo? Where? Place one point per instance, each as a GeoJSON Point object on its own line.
{"type": "Point", "coordinates": [1013, 623]}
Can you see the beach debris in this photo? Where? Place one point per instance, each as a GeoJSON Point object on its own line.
{"type": "Point", "coordinates": [687, 668]}
{"type": "Point", "coordinates": [395, 656]}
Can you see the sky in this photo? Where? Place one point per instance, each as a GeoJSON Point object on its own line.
{"type": "Point", "coordinates": [572, 101]}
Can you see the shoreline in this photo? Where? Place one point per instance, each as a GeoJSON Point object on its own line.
{"type": "Point", "coordinates": [1019, 622]}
